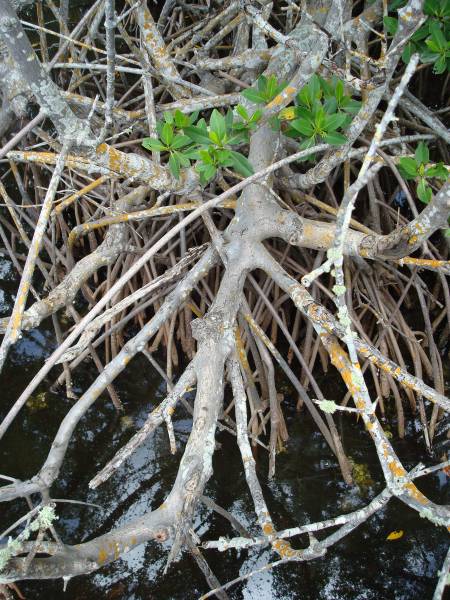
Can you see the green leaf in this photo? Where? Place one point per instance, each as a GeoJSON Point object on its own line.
{"type": "Point", "coordinates": [339, 91]}
{"type": "Point", "coordinates": [395, 4]}
{"type": "Point", "coordinates": [253, 96]}
{"type": "Point", "coordinates": [303, 127]}
{"type": "Point", "coordinates": [319, 118]}
{"type": "Point", "coordinates": [207, 172]}
{"type": "Point", "coordinates": [167, 134]}
{"type": "Point", "coordinates": [168, 117]}
{"type": "Point", "coordinates": [337, 139]}
{"type": "Point", "coordinates": [214, 137]}
{"type": "Point", "coordinates": [422, 154]}
{"type": "Point", "coordinates": [256, 116]}
{"type": "Point", "coordinates": [328, 87]}
{"type": "Point", "coordinates": [437, 36]}
{"type": "Point", "coordinates": [333, 122]}
{"type": "Point", "coordinates": [303, 97]}
{"type": "Point", "coordinates": [229, 118]}
{"type": "Point", "coordinates": [352, 106]}
{"type": "Point", "coordinates": [206, 157]}
{"type": "Point", "coordinates": [348, 120]}
{"type": "Point", "coordinates": [440, 65]}
{"type": "Point", "coordinates": [439, 171]}
{"type": "Point", "coordinates": [314, 88]}
{"type": "Point", "coordinates": [422, 32]}
{"type": "Point", "coordinates": [224, 158]}
{"type": "Point", "coordinates": [183, 159]}
{"type": "Point", "coordinates": [432, 7]}
{"type": "Point", "coordinates": [174, 165]}
{"type": "Point", "coordinates": [435, 50]}
{"type": "Point", "coordinates": [241, 164]}
{"type": "Point", "coordinates": [181, 120]}
{"type": "Point", "coordinates": [240, 126]}
{"type": "Point", "coordinates": [154, 145]}
{"type": "Point", "coordinates": [238, 138]}
{"type": "Point", "coordinates": [191, 153]}
{"type": "Point", "coordinates": [262, 84]}
{"type": "Point", "coordinates": [198, 134]}
{"type": "Point", "coordinates": [180, 141]}
{"type": "Point", "coordinates": [424, 191]}
{"type": "Point", "coordinates": [408, 167]}
{"type": "Point", "coordinates": [307, 144]}
{"type": "Point", "coordinates": [242, 112]}
{"type": "Point", "coordinates": [391, 25]}
{"type": "Point", "coordinates": [193, 117]}
{"type": "Point", "coordinates": [218, 125]}
{"type": "Point", "coordinates": [331, 105]}
{"type": "Point", "coordinates": [271, 87]}
{"type": "Point", "coordinates": [305, 113]}
{"type": "Point", "coordinates": [407, 53]}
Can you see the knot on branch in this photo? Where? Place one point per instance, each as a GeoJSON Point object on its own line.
{"type": "Point", "coordinates": [190, 182]}
{"type": "Point", "coordinates": [293, 228]}
{"type": "Point", "coordinates": [281, 223]}
{"type": "Point", "coordinates": [191, 484]}
{"type": "Point", "coordinates": [211, 327]}
{"type": "Point", "coordinates": [161, 535]}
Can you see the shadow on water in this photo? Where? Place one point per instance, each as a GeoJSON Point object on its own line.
{"type": "Point", "coordinates": [307, 487]}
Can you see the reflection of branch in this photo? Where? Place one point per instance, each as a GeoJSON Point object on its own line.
{"type": "Point", "coordinates": [443, 579]}
{"type": "Point", "coordinates": [283, 549]}
{"type": "Point", "coordinates": [358, 516]}
{"type": "Point", "coordinates": [156, 418]}
{"type": "Point", "coordinates": [241, 241]}
{"type": "Point", "coordinates": [316, 548]}
{"type": "Point", "coordinates": [328, 328]}
{"type": "Point", "coordinates": [50, 470]}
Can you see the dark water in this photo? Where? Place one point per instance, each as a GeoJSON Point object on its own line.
{"type": "Point", "coordinates": [307, 487]}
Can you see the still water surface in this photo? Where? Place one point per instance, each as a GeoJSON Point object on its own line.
{"type": "Point", "coordinates": [307, 487]}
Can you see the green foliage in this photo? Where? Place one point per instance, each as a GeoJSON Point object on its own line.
{"type": "Point", "coordinates": [248, 123]}
{"type": "Point", "coordinates": [209, 144]}
{"type": "Point", "coordinates": [214, 144]}
{"type": "Point", "coordinates": [416, 168]}
{"type": "Point", "coordinates": [172, 139]}
{"type": "Point", "coordinates": [266, 90]}
{"type": "Point", "coordinates": [322, 112]}
{"type": "Point", "coordinates": [432, 39]}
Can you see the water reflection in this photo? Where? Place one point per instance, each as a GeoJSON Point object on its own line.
{"type": "Point", "coordinates": [308, 486]}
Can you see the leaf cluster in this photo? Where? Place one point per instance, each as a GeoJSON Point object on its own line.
{"type": "Point", "coordinates": [267, 88]}
{"type": "Point", "coordinates": [172, 139]}
{"type": "Point", "coordinates": [322, 111]}
{"type": "Point", "coordinates": [416, 168]}
{"type": "Point", "coordinates": [432, 39]}
{"type": "Point", "coordinates": [209, 144]}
